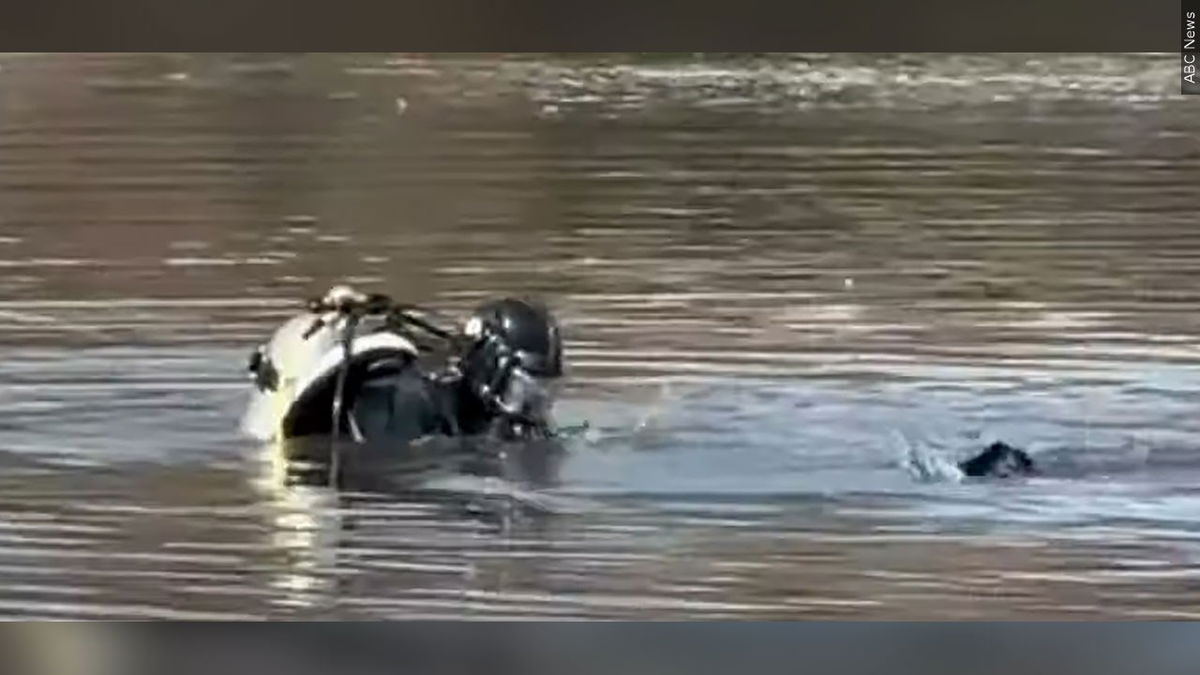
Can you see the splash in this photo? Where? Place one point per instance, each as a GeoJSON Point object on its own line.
{"type": "Point", "coordinates": [925, 462]}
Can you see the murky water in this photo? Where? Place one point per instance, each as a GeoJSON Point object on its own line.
{"type": "Point", "coordinates": [782, 278]}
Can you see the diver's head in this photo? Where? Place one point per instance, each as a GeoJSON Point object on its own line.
{"type": "Point", "coordinates": [512, 358]}
{"type": "Point", "coordinates": [526, 328]}
{"type": "Point", "coordinates": [999, 460]}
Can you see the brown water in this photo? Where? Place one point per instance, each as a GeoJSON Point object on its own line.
{"type": "Point", "coordinates": [785, 281]}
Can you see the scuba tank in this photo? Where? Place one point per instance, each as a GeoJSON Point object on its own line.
{"type": "Point", "coordinates": [296, 373]}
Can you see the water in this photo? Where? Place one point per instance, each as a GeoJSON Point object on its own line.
{"type": "Point", "coordinates": [784, 280]}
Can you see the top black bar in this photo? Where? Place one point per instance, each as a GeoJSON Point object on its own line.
{"type": "Point", "coordinates": [578, 25]}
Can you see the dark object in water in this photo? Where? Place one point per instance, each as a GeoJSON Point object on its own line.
{"type": "Point", "coordinates": [999, 460]}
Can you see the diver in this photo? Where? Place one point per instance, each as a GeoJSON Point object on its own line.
{"type": "Point", "coordinates": [351, 367]}
{"type": "Point", "coordinates": [999, 460]}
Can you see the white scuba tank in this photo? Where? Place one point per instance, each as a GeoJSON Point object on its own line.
{"type": "Point", "coordinates": [302, 359]}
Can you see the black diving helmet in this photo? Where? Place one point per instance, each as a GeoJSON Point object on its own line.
{"type": "Point", "coordinates": [513, 358]}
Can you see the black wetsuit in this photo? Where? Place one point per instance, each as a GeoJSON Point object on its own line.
{"type": "Point", "coordinates": [399, 403]}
